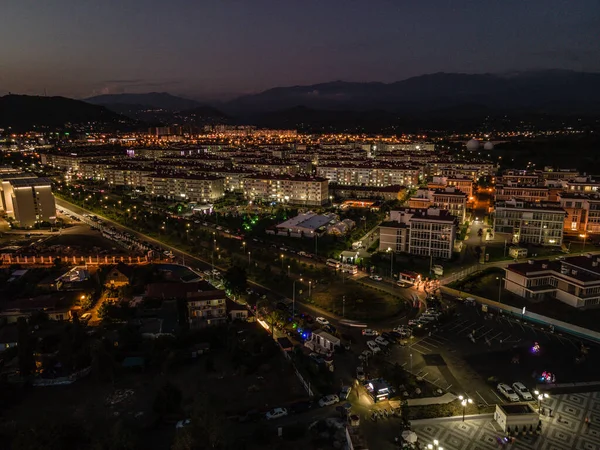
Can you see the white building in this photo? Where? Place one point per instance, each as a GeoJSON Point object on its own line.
{"type": "Point", "coordinates": [197, 188]}
{"type": "Point", "coordinates": [530, 223]}
{"type": "Point", "coordinates": [419, 231]}
{"type": "Point", "coordinates": [29, 200]}
{"type": "Point", "coordinates": [369, 174]}
{"type": "Point", "coordinates": [310, 191]}
{"type": "Point", "coordinates": [306, 224]}
{"type": "Point", "coordinates": [573, 280]}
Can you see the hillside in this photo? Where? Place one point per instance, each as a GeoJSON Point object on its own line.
{"type": "Point", "coordinates": [151, 100]}
{"type": "Point", "coordinates": [25, 112]}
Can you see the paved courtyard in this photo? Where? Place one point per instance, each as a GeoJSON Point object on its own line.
{"type": "Point", "coordinates": [565, 430]}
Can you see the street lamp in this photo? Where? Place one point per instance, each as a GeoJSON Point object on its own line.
{"type": "Point", "coordinates": [540, 398]}
{"type": "Point", "coordinates": [248, 259]}
{"type": "Point", "coordinates": [464, 401]}
{"type": "Point", "coordinates": [309, 286]}
{"type": "Point", "coordinates": [584, 236]}
{"type": "Point", "coordinates": [435, 445]}
{"type": "Point", "coordinates": [281, 261]}
{"type": "Point", "coordinates": [389, 250]}
{"type": "Point", "coordinates": [288, 271]}
{"type": "Point", "coordinates": [499, 288]}
{"type": "Point", "coordinates": [294, 298]}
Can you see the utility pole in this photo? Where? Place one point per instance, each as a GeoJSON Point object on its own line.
{"type": "Point", "coordinates": [344, 306]}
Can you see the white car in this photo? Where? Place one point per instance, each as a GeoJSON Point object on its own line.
{"type": "Point", "coordinates": [522, 390]}
{"type": "Point", "coordinates": [322, 321]}
{"type": "Point", "coordinates": [369, 332]}
{"type": "Point", "coordinates": [183, 423]}
{"type": "Point", "coordinates": [376, 277]}
{"type": "Point", "coordinates": [360, 373]}
{"type": "Point", "coordinates": [381, 341]}
{"type": "Point", "coordinates": [329, 400]}
{"type": "Point", "coordinates": [508, 392]}
{"type": "Point", "coordinates": [276, 413]}
{"type": "Point", "coordinates": [373, 346]}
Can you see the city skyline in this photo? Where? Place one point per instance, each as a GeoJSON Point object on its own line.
{"type": "Point", "coordinates": [81, 49]}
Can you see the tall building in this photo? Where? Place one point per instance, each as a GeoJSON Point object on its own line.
{"type": "Point", "coordinates": [419, 231]}
{"type": "Point", "coordinates": [28, 200]}
{"type": "Point", "coordinates": [310, 191]}
{"type": "Point", "coordinates": [530, 223]}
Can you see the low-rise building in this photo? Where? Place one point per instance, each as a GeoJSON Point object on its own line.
{"type": "Point", "coordinates": [306, 224]}
{"type": "Point", "coordinates": [419, 231]}
{"type": "Point", "coordinates": [583, 212]}
{"type": "Point", "coordinates": [530, 223]}
{"type": "Point", "coordinates": [515, 418]}
{"type": "Point", "coordinates": [527, 193]}
{"type": "Point", "coordinates": [573, 280]}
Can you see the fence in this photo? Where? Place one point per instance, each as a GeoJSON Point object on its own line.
{"type": "Point", "coordinates": [77, 260]}
{"type": "Point", "coordinates": [523, 314]}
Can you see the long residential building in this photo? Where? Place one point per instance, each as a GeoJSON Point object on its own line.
{"type": "Point", "coordinates": [573, 280]}
{"type": "Point", "coordinates": [310, 191]}
{"type": "Point", "coordinates": [197, 188]}
{"type": "Point", "coordinates": [583, 212]}
{"type": "Point", "coordinates": [370, 174]}
{"type": "Point", "coordinates": [419, 231]}
{"type": "Point", "coordinates": [521, 192]}
{"type": "Point", "coordinates": [530, 223]}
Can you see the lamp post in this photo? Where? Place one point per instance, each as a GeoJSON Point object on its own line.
{"type": "Point", "coordinates": [584, 236]}
{"type": "Point", "coordinates": [540, 398]}
{"type": "Point", "coordinates": [344, 306]}
{"type": "Point", "coordinates": [294, 298]}
{"type": "Point", "coordinates": [281, 261]}
{"type": "Point", "coordinates": [389, 250]}
{"type": "Point", "coordinates": [248, 259]}
{"type": "Point", "coordinates": [435, 445]}
{"type": "Point", "coordinates": [309, 287]}
{"type": "Point", "coordinates": [464, 401]}
{"type": "Point", "coordinates": [499, 288]}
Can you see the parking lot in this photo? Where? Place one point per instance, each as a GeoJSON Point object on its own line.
{"type": "Point", "coordinates": [471, 351]}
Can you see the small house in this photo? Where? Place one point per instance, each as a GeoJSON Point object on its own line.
{"type": "Point", "coordinates": [119, 275]}
{"type": "Point", "coordinates": [513, 417]}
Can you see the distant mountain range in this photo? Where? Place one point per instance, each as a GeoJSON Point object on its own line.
{"type": "Point", "coordinates": [25, 112]}
{"type": "Point", "coordinates": [542, 91]}
{"type": "Point", "coordinates": [441, 100]}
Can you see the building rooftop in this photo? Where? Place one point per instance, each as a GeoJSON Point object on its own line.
{"type": "Point", "coordinates": [308, 220]}
{"type": "Point", "coordinates": [285, 177]}
{"type": "Point", "coordinates": [30, 182]}
{"type": "Point", "coordinates": [517, 408]}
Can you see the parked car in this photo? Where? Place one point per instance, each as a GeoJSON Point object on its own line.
{"type": "Point", "coordinates": [389, 337]}
{"type": "Point", "coordinates": [522, 390]}
{"type": "Point", "coordinates": [300, 407]}
{"type": "Point", "coordinates": [381, 341]}
{"type": "Point", "coordinates": [322, 321]}
{"type": "Point", "coordinates": [329, 400]}
{"type": "Point", "coordinates": [360, 373]}
{"type": "Point", "coordinates": [345, 392]}
{"type": "Point", "coordinates": [375, 278]}
{"type": "Point", "coordinates": [369, 332]}
{"type": "Point", "coordinates": [276, 413]}
{"type": "Point", "coordinates": [367, 353]}
{"type": "Point", "coordinates": [508, 392]}
{"type": "Point", "coordinates": [254, 415]}
{"type": "Point", "coordinates": [183, 423]}
{"type": "Point", "coordinates": [85, 317]}
{"type": "Point", "coordinates": [373, 346]}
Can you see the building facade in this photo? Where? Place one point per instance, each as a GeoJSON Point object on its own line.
{"type": "Point", "coordinates": [419, 231]}
{"type": "Point", "coordinates": [530, 223]}
{"type": "Point", "coordinates": [310, 191]}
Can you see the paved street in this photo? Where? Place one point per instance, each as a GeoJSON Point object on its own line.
{"type": "Point", "coordinates": [565, 430]}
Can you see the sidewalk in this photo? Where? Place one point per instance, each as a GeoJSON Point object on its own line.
{"type": "Point", "coordinates": [442, 400]}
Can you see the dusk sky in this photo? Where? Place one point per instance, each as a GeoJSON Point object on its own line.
{"type": "Point", "coordinates": [208, 49]}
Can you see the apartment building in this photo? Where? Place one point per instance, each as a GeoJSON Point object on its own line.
{"type": "Point", "coordinates": [530, 223]}
{"type": "Point", "coordinates": [419, 231]}
{"type": "Point", "coordinates": [268, 167]}
{"type": "Point", "coordinates": [471, 170]}
{"type": "Point", "coordinates": [72, 160]}
{"type": "Point", "coordinates": [310, 191]}
{"type": "Point", "coordinates": [449, 198]}
{"type": "Point", "coordinates": [135, 177]}
{"type": "Point", "coordinates": [196, 188]}
{"type": "Point", "coordinates": [452, 200]}
{"type": "Point", "coordinates": [370, 174]}
{"type": "Point", "coordinates": [574, 280]}
{"type": "Point", "coordinates": [28, 201]}
{"type": "Point", "coordinates": [583, 212]}
{"type": "Point", "coordinates": [521, 192]}
{"type": "Point", "coordinates": [368, 192]}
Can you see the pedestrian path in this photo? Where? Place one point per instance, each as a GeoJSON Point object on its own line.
{"type": "Point", "coordinates": [441, 400]}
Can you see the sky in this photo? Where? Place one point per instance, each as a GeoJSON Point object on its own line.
{"type": "Point", "coordinates": [217, 49]}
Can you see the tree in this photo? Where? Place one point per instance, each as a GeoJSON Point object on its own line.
{"type": "Point", "coordinates": [24, 347]}
{"type": "Point", "coordinates": [168, 399]}
{"type": "Point", "coordinates": [235, 280]}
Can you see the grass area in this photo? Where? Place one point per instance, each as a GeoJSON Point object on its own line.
{"type": "Point", "coordinates": [450, 409]}
{"type": "Point", "coordinates": [88, 242]}
{"type": "Point", "coordinates": [360, 302]}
